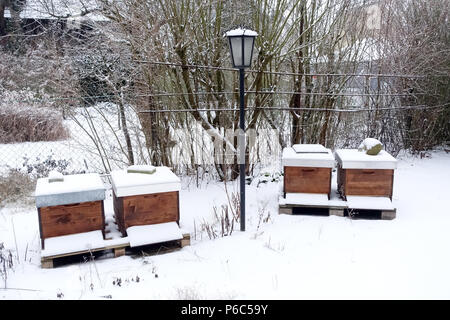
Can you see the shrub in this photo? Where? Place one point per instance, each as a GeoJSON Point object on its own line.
{"type": "Point", "coordinates": [21, 120]}
{"type": "Point", "coordinates": [40, 168]}
{"type": "Point", "coordinates": [15, 185]}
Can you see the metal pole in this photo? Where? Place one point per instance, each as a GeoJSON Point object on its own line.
{"type": "Point", "coordinates": [242, 147]}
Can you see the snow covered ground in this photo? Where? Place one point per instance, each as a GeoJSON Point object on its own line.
{"type": "Point", "coordinates": [287, 257]}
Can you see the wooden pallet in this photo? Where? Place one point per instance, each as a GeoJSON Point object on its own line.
{"type": "Point", "coordinates": [371, 214]}
{"type": "Point", "coordinates": [388, 214]}
{"type": "Point", "coordinates": [118, 250]}
{"type": "Point", "coordinates": [311, 209]}
{"type": "Point", "coordinates": [337, 211]}
{"type": "Point", "coordinates": [355, 208]}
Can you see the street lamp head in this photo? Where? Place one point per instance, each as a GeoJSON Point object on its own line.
{"type": "Point", "coordinates": [241, 46]}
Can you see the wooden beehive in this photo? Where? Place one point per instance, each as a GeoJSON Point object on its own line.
{"type": "Point", "coordinates": [307, 169]}
{"type": "Point", "coordinates": [360, 174]}
{"type": "Point", "coordinates": [145, 199]}
{"type": "Point", "coordinates": [74, 205]}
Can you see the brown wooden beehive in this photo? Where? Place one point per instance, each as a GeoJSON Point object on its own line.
{"type": "Point", "coordinates": [145, 199]}
{"type": "Point", "coordinates": [74, 205]}
{"type": "Point", "coordinates": [360, 174]}
{"type": "Point", "coordinates": [307, 169]}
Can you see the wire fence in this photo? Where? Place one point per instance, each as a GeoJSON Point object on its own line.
{"type": "Point", "coordinates": [96, 144]}
{"type": "Point", "coordinates": [97, 141]}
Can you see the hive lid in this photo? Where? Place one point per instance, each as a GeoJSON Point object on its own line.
{"type": "Point", "coordinates": [369, 203]}
{"type": "Point", "coordinates": [73, 189]}
{"type": "Point", "coordinates": [354, 159]}
{"type": "Point", "coordinates": [322, 159]}
{"type": "Point", "coordinates": [147, 169]}
{"type": "Point", "coordinates": [127, 184]}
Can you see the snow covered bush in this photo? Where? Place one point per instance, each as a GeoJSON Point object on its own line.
{"type": "Point", "coordinates": [42, 167]}
{"type": "Point", "coordinates": [15, 185]}
{"type": "Point", "coordinates": [6, 263]}
{"type": "Point", "coordinates": [21, 120]}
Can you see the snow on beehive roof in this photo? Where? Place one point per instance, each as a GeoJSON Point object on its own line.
{"type": "Point", "coordinates": [73, 243]}
{"type": "Point", "coordinates": [291, 158]}
{"type": "Point", "coordinates": [71, 183]}
{"type": "Point", "coordinates": [369, 143]}
{"type": "Point", "coordinates": [354, 159]}
{"type": "Point", "coordinates": [73, 189]}
{"type": "Point", "coordinates": [163, 180]}
{"type": "Point", "coordinates": [310, 148]}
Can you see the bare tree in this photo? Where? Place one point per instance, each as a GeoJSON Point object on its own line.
{"type": "Point", "coordinates": [139, 57]}
{"type": "Point", "coordinates": [417, 41]}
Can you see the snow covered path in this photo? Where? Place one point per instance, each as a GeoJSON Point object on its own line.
{"type": "Point", "coordinates": [289, 257]}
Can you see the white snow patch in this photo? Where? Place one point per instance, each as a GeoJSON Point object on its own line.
{"type": "Point", "coordinates": [288, 257]}
{"type": "Point", "coordinates": [155, 233]}
{"type": "Point", "coordinates": [77, 242]}
{"type": "Point", "coordinates": [308, 199]}
{"type": "Point", "coordinates": [365, 202]}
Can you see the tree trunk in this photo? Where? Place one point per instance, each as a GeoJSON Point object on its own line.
{"type": "Point", "coordinates": [2, 18]}
{"type": "Point", "coordinates": [125, 130]}
{"type": "Point", "coordinates": [295, 102]}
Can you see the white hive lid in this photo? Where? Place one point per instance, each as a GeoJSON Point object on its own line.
{"type": "Point", "coordinates": [354, 159]}
{"type": "Point", "coordinates": [309, 156]}
{"type": "Point", "coordinates": [309, 148]}
{"type": "Point", "coordinates": [73, 189]}
{"type": "Point", "coordinates": [128, 184]}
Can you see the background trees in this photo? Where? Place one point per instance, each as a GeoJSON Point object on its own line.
{"type": "Point", "coordinates": [308, 81]}
{"type": "Point", "coordinates": [418, 42]}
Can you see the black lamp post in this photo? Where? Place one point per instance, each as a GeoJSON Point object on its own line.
{"type": "Point", "coordinates": [241, 48]}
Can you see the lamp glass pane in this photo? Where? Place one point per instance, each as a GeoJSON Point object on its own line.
{"type": "Point", "coordinates": [236, 50]}
{"type": "Point", "coordinates": [248, 48]}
